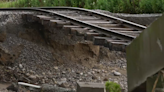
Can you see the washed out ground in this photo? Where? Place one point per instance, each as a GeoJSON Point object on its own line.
{"type": "Point", "coordinates": [62, 60]}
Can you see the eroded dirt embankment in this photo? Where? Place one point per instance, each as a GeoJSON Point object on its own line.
{"type": "Point", "coordinates": [36, 54]}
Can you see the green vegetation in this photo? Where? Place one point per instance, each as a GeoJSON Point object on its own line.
{"type": "Point", "coordinates": [5, 4]}
{"type": "Point", "coordinates": [122, 6]}
{"type": "Point", "coordinates": [112, 87]}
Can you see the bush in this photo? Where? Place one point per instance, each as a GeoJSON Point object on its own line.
{"type": "Point", "coordinates": [112, 87]}
{"type": "Point", "coordinates": [116, 6]}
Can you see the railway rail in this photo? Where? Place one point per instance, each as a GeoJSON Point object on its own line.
{"type": "Point", "coordinates": [102, 29]}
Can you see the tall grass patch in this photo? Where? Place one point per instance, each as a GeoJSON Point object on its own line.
{"type": "Point", "coordinates": [116, 6]}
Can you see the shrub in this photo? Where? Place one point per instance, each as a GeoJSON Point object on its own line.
{"type": "Point", "coordinates": [116, 6]}
{"type": "Point", "coordinates": [112, 87]}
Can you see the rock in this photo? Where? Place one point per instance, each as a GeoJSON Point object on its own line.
{"type": "Point", "coordinates": [63, 80]}
{"type": "Point", "coordinates": [33, 77]}
{"type": "Point", "coordinates": [54, 80]}
{"type": "Point", "coordinates": [32, 72]}
{"type": "Point", "coordinates": [93, 72]}
{"type": "Point", "coordinates": [105, 79]}
{"type": "Point", "coordinates": [24, 70]}
{"type": "Point", "coordinates": [13, 87]}
{"type": "Point", "coordinates": [73, 71]}
{"type": "Point", "coordinates": [94, 77]}
{"type": "Point", "coordinates": [43, 80]}
{"type": "Point", "coordinates": [81, 73]}
{"type": "Point", "coordinates": [116, 73]}
{"type": "Point", "coordinates": [43, 73]}
{"type": "Point", "coordinates": [63, 85]}
{"type": "Point", "coordinates": [68, 69]}
{"type": "Point", "coordinates": [99, 78]}
{"type": "Point", "coordinates": [98, 71]}
{"type": "Point", "coordinates": [77, 72]}
{"type": "Point", "coordinates": [27, 74]}
{"type": "Point", "coordinates": [124, 66]}
{"type": "Point", "coordinates": [49, 73]}
{"type": "Point", "coordinates": [89, 73]}
{"type": "Point", "coordinates": [20, 66]}
{"type": "Point", "coordinates": [116, 81]}
{"type": "Point", "coordinates": [63, 72]}
{"type": "Point", "coordinates": [56, 67]}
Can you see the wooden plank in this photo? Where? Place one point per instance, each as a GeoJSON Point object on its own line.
{"type": "Point", "coordinates": [108, 41]}
{"type": "Point", "coordinates": [100, 40]}
{"type": "Point", "coordinates": [70, 26]}
{"type": "Point", "coordinates": [90, 35]}
{"type": "Point", "coordinates": [79, 31]}
{"type": "Point", "coordinates": [118, 46]}
{"type": "Point", "coordinates": [59, 23]}
{"type": "Point", "coordinates": [85, 17]}
{"type": "Point", "coordinates": [135, 32]}
{"type": "Point", "coordinates": [121, 29]}
{"type": "Point", "coordinates": [98, 22]}
{"type": "Point", "coordinates": [44, 17]}
{"type": "Point", "coordinates": [67, 28]}
{"type": "Point", "coordinates": [66, 12]}
{"type": "Point", "coordinates": [109, 25]}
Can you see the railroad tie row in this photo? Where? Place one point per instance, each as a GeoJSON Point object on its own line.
{"type": "Point", "coordinates": [111, 42]}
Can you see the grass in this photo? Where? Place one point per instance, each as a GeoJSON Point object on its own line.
{"type": "Point", "coordinates": [116, 6]}
{"type": "Point", "coordinates": [5, 4]}
{"type": "Point", "coordinates": [112, 87]}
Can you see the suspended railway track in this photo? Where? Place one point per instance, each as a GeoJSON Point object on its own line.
{"type": "Point", "coordinates": [102, 29]}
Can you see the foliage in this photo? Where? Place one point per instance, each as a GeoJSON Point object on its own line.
{"type": "Point", "coordinates": [121, 6]}
{"type": "Point", "coordinates": [112, 87]}
{"type": "Point", "coordinates": [5, 4]}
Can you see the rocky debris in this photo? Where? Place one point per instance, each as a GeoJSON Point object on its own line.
{"type": "Point", "coordinates": [63, 65]}
{"type": "Point", "coordinates": [33, 78]}
{"type": "Point", "coordinates": [116, 73]}
{"type": "Point", "coordinates": [20, 66]}
{"type": "Point", "coordinates": [94, 77]}
{"type": "Point", "coordinates": [56, 67]}
{"type": "Point", "coordinates": [13, 87]}
{"type": "Point", "coordinates": [105, 79]}
{"type": "Point", "coordinates": [64, 85]}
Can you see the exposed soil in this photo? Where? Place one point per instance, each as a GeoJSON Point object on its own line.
{"type": "Point", "coordinates": [34, 54]}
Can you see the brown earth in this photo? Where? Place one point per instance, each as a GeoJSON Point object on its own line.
{"type": "Point", "coordinates": [34, 54]}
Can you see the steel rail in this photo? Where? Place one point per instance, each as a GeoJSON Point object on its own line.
{"type": "Point", "coordinates": [126, 22]}
{"type": "Point", "coordinates": [99, 14]}
{"type": "Point", "coordinates": [76, 21]}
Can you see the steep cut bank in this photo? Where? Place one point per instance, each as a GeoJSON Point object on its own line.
{"type": "Point", "coordinates": [36, 54]}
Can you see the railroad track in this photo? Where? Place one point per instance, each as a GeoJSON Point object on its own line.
{"type": "Point", "coordinates": [102, 29]}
